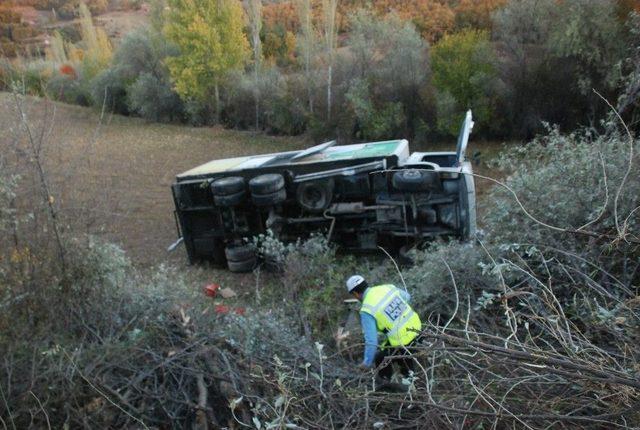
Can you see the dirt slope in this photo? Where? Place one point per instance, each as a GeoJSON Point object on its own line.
{"type": "Point", "coordinates": [112, 176]}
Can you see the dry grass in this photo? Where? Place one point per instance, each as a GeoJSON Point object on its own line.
{"type": "Point", "coordinates": [113, 175]}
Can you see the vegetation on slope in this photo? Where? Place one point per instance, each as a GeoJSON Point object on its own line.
{"type": "Point", "coordinates": [526, 325]}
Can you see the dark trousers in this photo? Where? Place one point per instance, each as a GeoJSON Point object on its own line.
{"type": "Point", "coordinates": [400, 356]}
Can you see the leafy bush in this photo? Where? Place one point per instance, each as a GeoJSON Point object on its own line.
{"type": "Point", "coordinates": [68, 90]}
{"type": "Point", "coordinates": [463, 69]}
{"type": "Point", "coordinates": [374, 122]}
{"type": "Point", "coordinates": [143, 51]}
{"type": "Point", "coordinates": [588, 34]}
{"type": "Point", "coordinates": [7, 194]}
{"type": "Point", "coordinates": [383, 77]}
{"type": "Point", "coordinates": [153, 99]}
{"type": "Point", "coordinates": [310, 284]}
{"type": "Point", "coordinates": [108, 89]}
{"type": "Point", "coordinates": [138, 81]}
{"type": "Point", "coordinates": [280, 111]}
{"type": "Point", "coordinates": [446, 274]}
{"type": "Point", "coordinates": [575, 183]}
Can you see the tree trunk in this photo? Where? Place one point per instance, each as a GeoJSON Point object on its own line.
{"type": "Point", "coordinates": [256, 93]}
{"type": "Point", "coordinates": [329, 79]}
{"type": "Point", "coordinates": [217, 95]}
{"type": "Point", "coordinates": [307, 72]}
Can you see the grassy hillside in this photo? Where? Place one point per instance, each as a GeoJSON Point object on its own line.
{"type": "Point", "coordinates": [111, 174]}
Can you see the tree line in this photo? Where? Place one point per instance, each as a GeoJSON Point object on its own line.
{"type": "Point", "coordinates": [362, 71]}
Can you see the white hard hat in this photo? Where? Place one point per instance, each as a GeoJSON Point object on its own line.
{"type": "Point", "coordinates": [353, 282]}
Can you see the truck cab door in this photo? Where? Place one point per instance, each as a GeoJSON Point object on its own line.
{"type": "Point", "coordinates": [463, 138]}
{"type": "Point", "coordinates": [467, 190]}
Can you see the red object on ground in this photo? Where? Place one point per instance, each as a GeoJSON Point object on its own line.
{"type": "Point", "coordinates": [211, 290]}
{"type": "Point", "coordinates": [239, 311]}
{"type": "Point", "coordinates": [222, 309]}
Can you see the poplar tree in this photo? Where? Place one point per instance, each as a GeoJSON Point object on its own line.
{"type": "Point", "coordinates": [255, 24]}
{"type": "Point", "coordinates": [306, 43]}
{"type": "Point", "coordinates": [329, 8]}
{"type": "Point", "coordinates": [212, 43]}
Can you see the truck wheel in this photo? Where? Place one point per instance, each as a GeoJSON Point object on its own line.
{"type": "Point", "coordinates": [229, 200]}
{"type": "Point", "coordinates": [242, 266]}
{"type": "Point", "coordinates": [227, 186]}
{"type": "Point", "coordinates": [314, 196]}
{"type": "Point", "coordinates": [241, 258]}
{"type": "Point", "coordinates": [269, 199]}
{"type": "Point", "coordinates": [240, 252]}
{"type": "Point", "coordinates": [413, 180]}
{"type": "Point", "coordinates": [266, 184]}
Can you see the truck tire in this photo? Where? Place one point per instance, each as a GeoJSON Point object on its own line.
{"type": "Point", "coordinates": [414, 180]}
{"type": "Point", "coordinates": [240, 252]}
{"type": "Point", "coordinates": [314, 196]}
{"type": "Point", "coordinates": [269, 199]}
{"type": "Point", "coordinates": [227, 186]}
{"type": "Point", "coordinates": [229, 200]}
{"type": "Point", "coordinates": [243, 266]}
{"type": "Point", "coordinates": [266, 184]}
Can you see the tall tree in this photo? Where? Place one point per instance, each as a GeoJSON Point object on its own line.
{"type": "Point", "coordinates": [463, 71]}
{"type": "Point", "coordinates": [255, 23]}
{"type": "Point", "coordinates": [212, 43]}
{"type": "Point", "coordinates": [306, 45]}
{"type": "Point", "coordinates": [329, 10]}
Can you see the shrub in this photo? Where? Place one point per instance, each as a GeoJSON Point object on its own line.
{"type": "Point", "coordinates": [567, 181]}
{"type": "Point", "coordinates": [68, 90]}
{"type": "Point", "coordinates": [9, 48]}
{"type": "Point", "coordinates": [7, 194]}
{"type": "Point", "coordinates": [462, 67]}
{"type": "Point", "coordinates": [374, 122]}
{"type": "Point", "coordinates": [153, 99]}
{"type": "Point", "coordinates": [6, 74]}
{"type": "Point", "coordinates": [435, 290]}
{"type": "Point", "coordinates": [383, 77]}
{"type": "Point", "coordinates": [32, 77]}
{"type": "Point", "coordinates": [310, 281]}
{"type": "Point", "coordinates": [138, 78]}
{"type": "Point", "coordinates": [590, 36]}
{"type": "Point", "coordinates": [280, 111]}
{"type": "Point", "coordinates": [108, 89]}
{"type": "Point", "coordinates": [143, 51]}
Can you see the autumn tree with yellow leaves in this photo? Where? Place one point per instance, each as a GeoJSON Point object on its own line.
{"type": "Point", "coordinates": [210, 36]}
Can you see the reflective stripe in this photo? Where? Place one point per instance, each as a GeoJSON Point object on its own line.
{"type": "Point", "coordinates": [367, 308]}
{"type": "Point", "coordinates": [399, 323]}
{"type": "Point", "coordinates": [381, 304]}
{"type": "Point", "coordinates": [384, 301]}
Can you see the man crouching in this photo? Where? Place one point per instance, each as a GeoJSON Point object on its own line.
{"type": "Point", "coordinates": [385, 309]}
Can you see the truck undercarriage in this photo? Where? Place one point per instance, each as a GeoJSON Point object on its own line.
{"type": "Point", "coordinates": [363, 196]}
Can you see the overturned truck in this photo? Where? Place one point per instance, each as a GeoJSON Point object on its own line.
{"type": "Point", "coordinates": [363, 196]}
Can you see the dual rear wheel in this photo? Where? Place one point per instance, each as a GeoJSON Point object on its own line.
{"type": "Point", "coordinates": [266, 190]}
{"type": "Point", "coordinates": [231, 191]}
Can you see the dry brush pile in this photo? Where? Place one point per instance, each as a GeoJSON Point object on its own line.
{"type": "Point", "coordinates": [534, 325]}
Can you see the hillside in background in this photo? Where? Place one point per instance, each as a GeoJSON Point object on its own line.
{"type": "Point", "coordinates": [352, 69]}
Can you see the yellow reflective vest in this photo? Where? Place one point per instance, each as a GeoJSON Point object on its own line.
{"type": "Point", "coordinates": [394, 316]}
